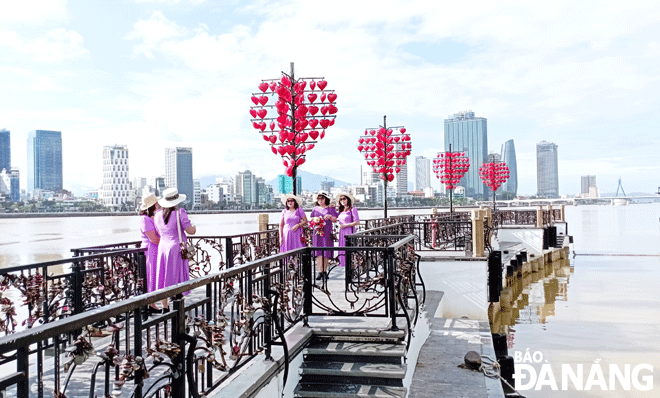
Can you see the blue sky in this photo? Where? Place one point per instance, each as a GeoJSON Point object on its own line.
{"type": "Point", "coordinates": [157, 74]}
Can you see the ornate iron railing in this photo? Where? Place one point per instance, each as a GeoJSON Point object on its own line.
{"type": "Point", "coordinates": [52, 290]}
{"type": "Point", "coordinates": [431, 234]}
{"type": "Point", "coordinates": [226, 319]}
{"type": "Point", "coordinates": [515, 217]}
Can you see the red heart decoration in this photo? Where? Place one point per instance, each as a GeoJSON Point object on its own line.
{"type": "Point", "coordinates": [324, 123]}
{"type": "Point", "coordinates": [285, 81]}
{"type": "Point", "coordinates": [322, 134]}
{"type": "Point", "coordinates": [255, 125]}
{"type": "Point", "coordinates": [272, 126]}
{"type": "Point", "coordinates": [390, 177]}
{"type": "Point", "coordinates": [273, 86]}
{"type": "Point", "coordinates": [322, 84]}
{"type": "Point", "coordinates": [253, 113]}
{"type": "Point", "coordinates": [322, 97]}
{"type": "Point", "coordinates": [283, 136]}
{"type": "Point", "coordinates": [272, 148]}
{"type": "Point", "coordinates": [360, 148]}
{"type": "Point", "coordinates": [397, 169]}
{"type": "Point", "coordinates": [372, 132]}
{"type": "Point", "coordinates": [372, 155]}
{"type": "Point", "coordinates": [402, 130]}
{"type": "Point", "coordinates": [396, 139]}
{"type": "Point", "coordinates": [263, 87]}
{"type": "Point", "coordinates": [313, 109]}
{"type": "Point", "coordinates": [300, 161]}
{"type": "Point", "coordinates": [263, 100]}
{"type": "Point", "coordinates": [332, 122]}
{"type": "Point", "coordinates": [255, 100]}
{"type": "Point", "coordinates": [361, 140]}
{"type": "Point", "coordinates": [324, 110]}
{"type": "Point", "coordinates": [262, 113]}
{"type": "Point", "coordinates": [265, 137]}
{"type": "Point", "coordinates": [366, 156]}
{"type": "Point", "coordinates": [291, 135]}
{"type": "Point", "coordinates": [281, 150]}
{"type": "Point", "coordinates": [310, 147]}
{"type": "Point", "coordinates": [312, 85]}
{"type": "Point", "coordinates": [314, 134]}
{"type": "Point", "coordinates": [262, 126]}
{"type": "Point", "coordinates": [332, 97]}
{"type": "Point", "coordinates": [312, 97]}
{"type": "Point", "coordinates": [272, 139]}
{"type": "Point", "coordinates": [313, 123]}
{"type": "Point", "coordinates": [332, 109]}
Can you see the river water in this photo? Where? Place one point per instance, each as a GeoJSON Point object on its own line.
{"type": "Point", "coordinates": [600, 312]}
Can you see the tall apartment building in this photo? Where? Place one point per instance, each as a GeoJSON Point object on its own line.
{"type": "Point", "coordinates": [5, 150]}
{"type": "Point", "coordinates": [547, 170]}
{"type": "Point", "coordinates": [367, 175]}
{"type": "Point", "coordinates": [245, 186]}
{"type": "Point", "coordinates": [44, 160]}
{"type": "Point", "coordinates": [588, 186]}
{"type": "Point", "coordinates": [510, 187]}
{"type": "Point", "coordinates": [115, 189]}
{"type": "Point", "coordinates": [469, 134]}
{"type": "Point", "coordinates": [285, 184]}
{"type": "Point", "coordinates": [179, 172]}
{"type": "Point", "coordinates": [422, 173]}
{"type": "Point", "coordinates": [400, 182]}
{"type": "Point", "coordinates": [197, 195]}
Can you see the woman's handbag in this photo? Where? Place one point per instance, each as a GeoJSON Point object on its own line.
{"type": "Point", "coordinates": [188, 252]}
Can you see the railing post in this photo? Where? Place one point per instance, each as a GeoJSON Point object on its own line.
{"type": "Point", "coordinates": [539, 217]}
{"type": "Point", "coordinates": [76, 267]}
{"type": "Point", "coordinates": [137, 348]}
{"type": "Point", "coordinates": [307, 284]}
{"type": "Point", "coordinates": [229, 253]}
{"type": "Point", "coordinates": [389, 272]}
{"type": "Point", "coordinates": [551, 218]}
{"type": "Point", "coordinates": [178, 330]}
{"type": "Point", "coordinates": [23, 366]}
{"type": "Point", "coordinates": [268, 318]}
{"type": "Point", "coordinates": [142, 271]}
{"type": "Point", "coordinates": [478, 246]}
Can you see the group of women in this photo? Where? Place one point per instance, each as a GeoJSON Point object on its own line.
{"type": "Point", "coordinates": [294, 219]}
{"type": "Point", "coordinates": [164, 226]}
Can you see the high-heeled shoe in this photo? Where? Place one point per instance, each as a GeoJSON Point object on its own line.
{"type": "Point", "coordinates": [319, 275]}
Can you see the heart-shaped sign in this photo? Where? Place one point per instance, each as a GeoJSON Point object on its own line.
{"type": "Point", "coordinates": [312, 97]}
{"type": "Point", "coordinates": [314, 134]}
{"type": "Point", "coordinates": [321, 84]}
{"type": "Point", "coordinates": [263, 87]}
{"type": "Point", "coordinates": [262, 113]}
{"type": "Point", "coordinates": [332, 97]}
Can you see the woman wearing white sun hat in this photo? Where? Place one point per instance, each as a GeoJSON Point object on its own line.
{"type": "Point", "coordinates": [171, 268]}
{"type": "Point", "coordinates": [291, 223]}
{"type": "Point", "coordinates": [150, 237]}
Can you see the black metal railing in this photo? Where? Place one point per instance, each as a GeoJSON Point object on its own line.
{"type": "Point", "coordinates": [226, 319]}
{"type": "Point", "coordinates": [40, 293]}
{"type": "Point", "coordinates": [431, 234]}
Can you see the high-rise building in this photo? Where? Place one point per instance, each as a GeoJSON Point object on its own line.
{"type": "Point", "coordinates": [400, 182]}
{"type": "Point", "coordinates": [44, 160]}
{"type": "Point", "coordinates": [466, 133]}
{"type": "Point", "coordinates": [422, 173]}
{"type": "Point", "coordinates": [115, 189]}
{"type": "Point", "coordinates": [179, 172]}
{"type": "Point", "coordinates": [589, 188]}
{"type": "Point", "coordinates": [510, 186]}
{"type": "Point", "coordinates": [285, 184]}
{"type": "Point", "coordinates": [547, 170]}
{"type": "Point", "coordinates": [367, 175]}
{"type": "Point", "coordinates": [5, 150]}
{"type": "Point", "coordinates": [264, 192]}
{"type": "Point", "coordinates": [245, 186]}
{"type": "Point", "coordinates": [197, 195]}
{"type": "Point", "coordinates": [494, 157]}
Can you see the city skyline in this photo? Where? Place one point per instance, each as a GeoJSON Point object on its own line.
{"type": "Point", "coordinates": [155, 74]}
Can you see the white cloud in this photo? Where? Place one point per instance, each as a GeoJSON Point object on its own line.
{"type": "Point", "coordinates": [33, 12]}
{"type": "Point", "coordinates": [55, 46]}
{"type": "Point", "coordinates": [152, 32]}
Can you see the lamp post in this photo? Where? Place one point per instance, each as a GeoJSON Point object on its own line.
{"type": "Point", "coordinates": [385, 150]}
{"type": "Point", "coordinates": [291, 125]}
{"type": "Point", "coordinates": [450, 167]}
